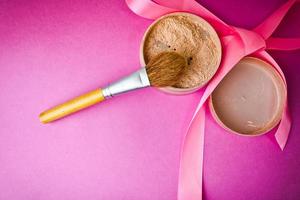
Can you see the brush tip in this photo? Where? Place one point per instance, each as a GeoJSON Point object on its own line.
{"type": "Point", "coordinates": [165, 69]}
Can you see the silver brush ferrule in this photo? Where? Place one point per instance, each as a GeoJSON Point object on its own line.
{"type": "Point", "coordinates": [136, 80]}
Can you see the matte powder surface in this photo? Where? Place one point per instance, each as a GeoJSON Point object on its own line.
{"type": "Point", "coordinates": [250, 99]}
{"type": "Point", "coordinates": [190, 36]}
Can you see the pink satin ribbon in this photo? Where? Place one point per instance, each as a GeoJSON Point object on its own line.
{"type": "Point", "coordinates": [236, 43]}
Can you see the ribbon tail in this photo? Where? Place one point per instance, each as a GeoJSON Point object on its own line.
{"type": "Point", "coordinates": [283, 129]}
{"type": "Point", "coordinates": [282, 132]}
{"type": "Point", "coordinates": [191, 164]}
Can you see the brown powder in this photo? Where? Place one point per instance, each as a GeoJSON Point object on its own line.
{"type": "Point", "coordinates": [191, 37]}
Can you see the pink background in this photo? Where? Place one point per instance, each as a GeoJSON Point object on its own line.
{"type": "Point", "coordinates": [127, 148]}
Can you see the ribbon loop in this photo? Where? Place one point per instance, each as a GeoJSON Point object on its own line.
{"type": "Point", "coordinates": [268, 26]}
{"type": "Point", "coordinates": [283, 43]}
{"type": "Point", "coordinates": [148, 9]}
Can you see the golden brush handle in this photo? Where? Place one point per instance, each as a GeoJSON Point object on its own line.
{"type": "Point", "coordinates": [72, 106]}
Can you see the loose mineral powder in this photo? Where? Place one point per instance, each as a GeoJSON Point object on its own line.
{"type": "Point", "coordinates": [250, 98]}
{"type": "Point", "coordinates": [190, 36]}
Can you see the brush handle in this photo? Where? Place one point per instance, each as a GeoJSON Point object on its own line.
{"type": "Point", "coordinates": [71, 106]}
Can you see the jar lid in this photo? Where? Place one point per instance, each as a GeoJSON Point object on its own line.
{"type": "Point", "coordinates": [250, 99]}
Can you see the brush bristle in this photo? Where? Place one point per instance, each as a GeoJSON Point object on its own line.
{"type": "Point", "coordinates": [165, 69]}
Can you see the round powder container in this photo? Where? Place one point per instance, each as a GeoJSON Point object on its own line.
{"type": "Point", "coordinates": [192, 37]}
{"type": "Point", "coordinates": [250, 99]}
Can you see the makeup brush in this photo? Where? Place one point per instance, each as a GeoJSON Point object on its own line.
{"type": "Point", "coordinates": [161, 71]}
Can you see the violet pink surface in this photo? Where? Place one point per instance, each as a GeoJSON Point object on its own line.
{"type": "Point", "coordinates": [127, 148]}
